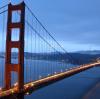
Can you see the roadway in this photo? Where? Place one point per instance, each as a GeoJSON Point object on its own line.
{"type": "Point", "coordinates": [33, 86]}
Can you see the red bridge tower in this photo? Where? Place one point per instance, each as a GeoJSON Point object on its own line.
{"type": "Point", "coordinates": [10, 67]}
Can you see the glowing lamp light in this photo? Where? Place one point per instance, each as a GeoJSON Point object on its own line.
{"type": "Point", "coordinates": [32, 84]}
{"type": "Point", "coordinates": [12, 91]}
{"type": "Point", "coordinates": [55, 72]}
{"type": "Point", "coordinates": [16, 84]}
{"type": "Point", "coordinates": [48, 74]}
{"type": "Point", "coordinates": [0, 88]}
{"type": "Point", "coordinates": [27, 86]}
{"type": "Point", "coordinates": [27, 93]}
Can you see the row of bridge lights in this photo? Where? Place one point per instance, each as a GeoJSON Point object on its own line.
{"type": "Point", "coordinates": [54, 73]}
{"type": "Point", "coordinates": [32, 84]}
{"type": "Point", "coordinates": [26, 87]}
{"type": "Point", "coordinates": [39, 77]}
{"type": "Point", "coordinates": [16, 84]}
{"type": "Point", "coordinates": [12, 91]}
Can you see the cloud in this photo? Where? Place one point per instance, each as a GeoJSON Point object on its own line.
{"type": "Point", "coordinates": [73, 22]}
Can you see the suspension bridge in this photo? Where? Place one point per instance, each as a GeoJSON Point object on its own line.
{"type": "Point", "coordinates": [31, 58]}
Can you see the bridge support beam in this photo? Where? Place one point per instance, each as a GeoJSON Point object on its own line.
{"type": "Point", "coordinates": [9, 66]}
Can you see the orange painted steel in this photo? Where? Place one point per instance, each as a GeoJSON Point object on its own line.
{"type": "Point", "coordinates": [9, 67]}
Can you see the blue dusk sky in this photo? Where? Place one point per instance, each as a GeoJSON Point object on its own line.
{"type": "Point", "coordinates": [75, 24]}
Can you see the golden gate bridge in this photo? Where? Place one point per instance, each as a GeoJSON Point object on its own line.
{"type": "Point", "coordinates": [25, 42]}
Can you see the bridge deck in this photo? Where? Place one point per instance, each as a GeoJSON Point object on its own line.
{"type": "Point", "coordinates": [32, 86]}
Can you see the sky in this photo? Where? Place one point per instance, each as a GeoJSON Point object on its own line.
{"type": "Point", "coordinates": [75, 24]}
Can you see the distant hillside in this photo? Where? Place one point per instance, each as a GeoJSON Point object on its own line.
{"type": "Point", "coordinates": [89, 52]}
{"type": "Point", "coordinates": [85, 58]}
{"type": "Point", "coordinates": [80, 57]}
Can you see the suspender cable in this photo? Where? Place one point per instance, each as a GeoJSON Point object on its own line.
{"type": "Point", "coordinates": [50, 34]}
{"type": "Point", "coordinates": [3, 12]}
{"type": "Point", "coordinates": [4, 6]}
